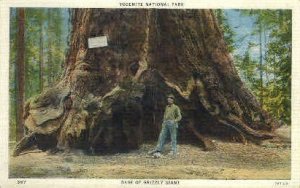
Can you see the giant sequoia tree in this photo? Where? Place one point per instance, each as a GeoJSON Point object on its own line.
{"type": "Point", "coordinates": [114, 97]}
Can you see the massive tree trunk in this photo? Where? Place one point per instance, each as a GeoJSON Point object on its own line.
{"type": "Point", "coordinates": [114, 97]}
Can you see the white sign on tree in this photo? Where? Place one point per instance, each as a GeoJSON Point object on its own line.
{"type": "Point", "coordinates": [97, 42]}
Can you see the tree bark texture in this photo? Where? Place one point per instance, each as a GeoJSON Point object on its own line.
{"type": "Point", "coordinates": [114, 97]}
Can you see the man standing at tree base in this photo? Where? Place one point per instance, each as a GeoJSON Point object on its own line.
{"type": "Point", "coordinates": [171, 118]}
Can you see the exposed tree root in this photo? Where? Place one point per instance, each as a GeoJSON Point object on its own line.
{"type": "Point", "coordinates": [241, 134]}
{"type": "Point", "coordinates": [26, 142]}
{"type": "Point", "coordinates": [207, 143]}
{"type": "Point", "coordinates": [93, 139]}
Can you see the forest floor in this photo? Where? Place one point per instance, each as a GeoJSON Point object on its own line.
{"type": "Point", "coordinates": [271, 160]}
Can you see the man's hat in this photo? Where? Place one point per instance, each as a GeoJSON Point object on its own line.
{"type": "Point", "coordinates": [171, 96]}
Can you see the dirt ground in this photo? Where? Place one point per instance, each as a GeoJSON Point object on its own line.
{"type": "Point", "coordinates": [271, 160]}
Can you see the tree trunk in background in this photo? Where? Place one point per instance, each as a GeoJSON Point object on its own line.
{"type": "Point", "coordinates": [114, 97]}
{"type": "Point", "coordinates": [41, 63]}
{"type": "Point", "coordinates": [267, 71]}
{"type": "Point", "coordinates": [49, 46]}
{"type": "Point", "coordinates": [20, 73]}
{"type": "Point", "coordinates": [261, 94]}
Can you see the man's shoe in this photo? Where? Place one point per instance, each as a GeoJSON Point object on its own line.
{"type": "Point", "coordinates": [152, 152]}
{"type": "Point", "coordinates": [157, 155]}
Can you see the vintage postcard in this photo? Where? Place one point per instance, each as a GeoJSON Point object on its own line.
{"type": "Point", "coordinates": [149, 94]}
